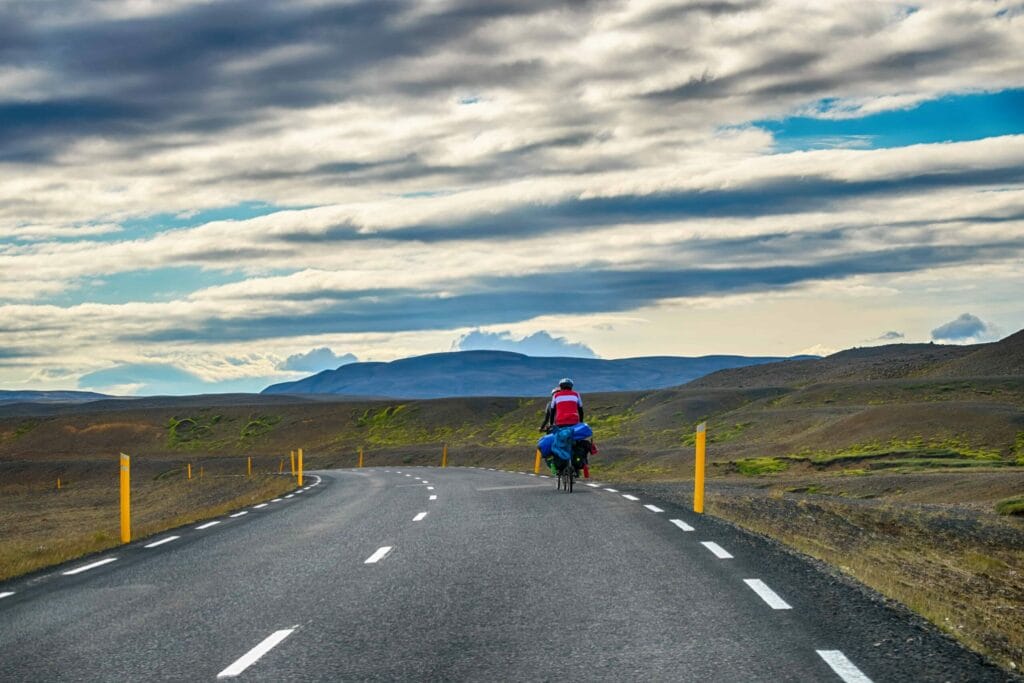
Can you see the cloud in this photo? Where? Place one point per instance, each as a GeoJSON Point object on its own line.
{"type": "Point", "coordinates": [892, 335]}
{"type": "Point", "coordinates": [966, 327]}
{"type": "Point", "coordinates": [540, 343]}
{"type": "Point", "coordinates": [161, 379]}
{"type": "Point", "coordinates": [316, 360]}
{"type": "Point", "coordinates": [436, 173]}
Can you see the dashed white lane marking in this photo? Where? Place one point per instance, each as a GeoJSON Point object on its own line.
{"type": "Point", "coordinates": [239, 514]}
{"type": "Point", "coordinates": [433, 498]}
{"type": "Point", "coordinates": [611, 490]}
{"type": "Point", "coordinates": [261, 505]}
{"type": "Point", "coordinates": [681, 524]}
{"type": "Point", "coordinates": [253, 655]}
{"type": "Point", "coordinates": [276, 500]}
{"type": "Point", "coordinates": [79, 570]}
{"type": "Point", "coordinates": [419, 517]}
{"type": "Point", "coordinates": [378, 555]}
{"type": "Point", "coordinates": [154, 544]}
{"type": "Point", "coordinates": [593, 486]}
{"type": "Point", "coordinates": [430, 488]}
{"type": "Point", "coordinates": [629, 497]}
{"type": "Point", "coordinates": [718, 550]}
{"type": "Point", "coordinates": [408, 475]}
{"type": "Point", "coordinates": [653, 508]}
{"type": "Point", "coordinates": [425, 481]}
{"type": "Point", "coordinates": [843, 666]}
{"type": "Point", "coordinates": [532, 474]}
{"type": "Point", "coordinates": [289, 495]}
{"type": "Point", "coordinates": [208, 525]}
{"type": "Point", "coordinates": [6, 594]}
{"type": "Point", "coordinates": [767, 594]}
{"type": "Point", "coordinates": [544, 476]}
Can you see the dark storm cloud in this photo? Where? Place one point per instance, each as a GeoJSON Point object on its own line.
{"type": "Point", "coordinates": [166, 72]}
{"type": "Point", "coordinates": [501, 300]}
{"type": "Point", "coordinates": [784, 195]}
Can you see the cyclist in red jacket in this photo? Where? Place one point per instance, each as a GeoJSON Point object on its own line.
{"type": "Point", "coordinates": [566, 405]}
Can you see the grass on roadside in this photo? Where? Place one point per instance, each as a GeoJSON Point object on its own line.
{"type": "Point", "coordinates": [39, 528]}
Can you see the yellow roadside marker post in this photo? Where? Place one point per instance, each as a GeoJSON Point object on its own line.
{"type": "Point", "coordinates": [248, 471]}
{"type": "Point", "coordinates": [189, 466]}
{"type": "Point", "coordinates": [536, 463]}
{"type": "Point", "coordinates": [291, 455]}
{"type": "Point", "coordinates": [280, 467]}
{"type": "Point", "coordinates": [58, 483]}
{"type": "Point", "coordinates": [300, 467]}
{"type": "Point", "coordinates": [360, 456]}
{"type": "Point", "coordinates": [698, 475]}
{"type": "Point", "coordinates": [444, 455]}
{"type": "Point", "coordinates": [126, 499]}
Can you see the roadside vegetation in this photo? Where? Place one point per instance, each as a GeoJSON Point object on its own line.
{"type": "Point", "coordinates": [41, 525]}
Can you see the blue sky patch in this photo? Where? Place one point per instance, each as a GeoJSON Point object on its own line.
{"type": "Point", "coordinates": [954, 118]}
{"type": "Point", "coordinates": [146, 226]}
{"type": "Point", "coordinates": [159, 284]}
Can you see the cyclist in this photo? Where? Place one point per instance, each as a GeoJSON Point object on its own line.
{"type": "Point", "coordinates": [564, 410]}
{"type": "Point", "coordinates": [566, 405]}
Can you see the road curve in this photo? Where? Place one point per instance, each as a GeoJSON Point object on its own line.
{"type": "Point", "coordinates": [460, 574]}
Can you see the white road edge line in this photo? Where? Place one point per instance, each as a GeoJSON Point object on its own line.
{"type": "Point", "coordinates": [261, 505]}
{"type": "Point", "coordinates": [433, 498]}
{"type": "Point", "coordinates": [767, 594]}
{"type": "Point", "coordinates": [276, 500]}
{"type": "Point", "coordinates": [843, 666]}
{"type": "Point", "coordinates": [253, 655]}
{"type": "Point", "coordinates": [289, 495]}
{"type": "Point", "coordinates": [593, 486]}
{"type": "Point", "coordinates": [378, 555]}
{"type": "Point", "coordinates": [154, 544]}
{"type": "Point", "coordinates": [6, 594]}
{"type": "Point", "coordinates": [629, 497]}
{"type": "Point", "coordinates": [611, 490]}
{"type": "Point", "coordinates": [653, 508]}
{"type": "Point", "coordinates": [430, 488]}
{"type": "Point", "coordinates": [72, 572]}
{"type": "Point", "coordinates": [681, 524]}
{"type": "Point", "coordinates": [208, 525]}
{"type": "Point", "coordinates": [419, 517]}
{"type": "Point", "coordinates": [239, 514]}
{"type": "Point", "coordinates": [720, 552]}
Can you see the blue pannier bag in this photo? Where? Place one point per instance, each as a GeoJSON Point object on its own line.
{"type": "Point", "coordinates": [562, 445]}
{"type": "Point", "coordinates": [580, 432]}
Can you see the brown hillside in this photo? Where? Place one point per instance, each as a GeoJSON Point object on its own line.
{"type": "Point", "coordinates": [892, 361]}
{"type": "Point", "coordinates": [1003, 358]}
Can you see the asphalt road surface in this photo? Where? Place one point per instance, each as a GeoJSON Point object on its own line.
{"type": "Point", "coordinates": [429, 574]}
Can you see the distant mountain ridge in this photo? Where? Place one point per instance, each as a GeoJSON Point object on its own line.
{"type": "Point", "coordinates": [501, 373]}
{"type": "Point", "coordinates": [49, 396]}
{"type": "Point", "coordinates": [892, 361]}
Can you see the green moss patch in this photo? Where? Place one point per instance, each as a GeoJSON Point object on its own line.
{"type": "Point", "coordinates": [1011, 506]}
{"type": "Point", "coordinates": [755, 467]}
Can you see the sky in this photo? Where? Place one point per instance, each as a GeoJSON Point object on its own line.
{"type": "Point", "coordinates": [204, 196]}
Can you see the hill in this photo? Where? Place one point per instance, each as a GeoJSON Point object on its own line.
{"type": "Point", "coordinates": [893, 361]}
{"type": "Point", "coordinates": [49, 396]}
{"type": "Point", "coordinates": [500, 373]}
{"type": "Point", "coordinates": [1000, 359]}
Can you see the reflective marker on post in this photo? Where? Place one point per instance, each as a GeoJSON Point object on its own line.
{"type": "Point", "coordinates": [698, 476]}
{"type": "Point", "coordinates": [126, 495]}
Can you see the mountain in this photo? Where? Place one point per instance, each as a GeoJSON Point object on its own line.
{"type": "Point", "coordinates": [49, 396]}
{"type": "Point", "coordinates": [500, 373]}
{"type": "Point", "coordinates": [892, 361]}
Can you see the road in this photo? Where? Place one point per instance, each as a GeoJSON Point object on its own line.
{"type": "Point", "coordinates": [460, 574]}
